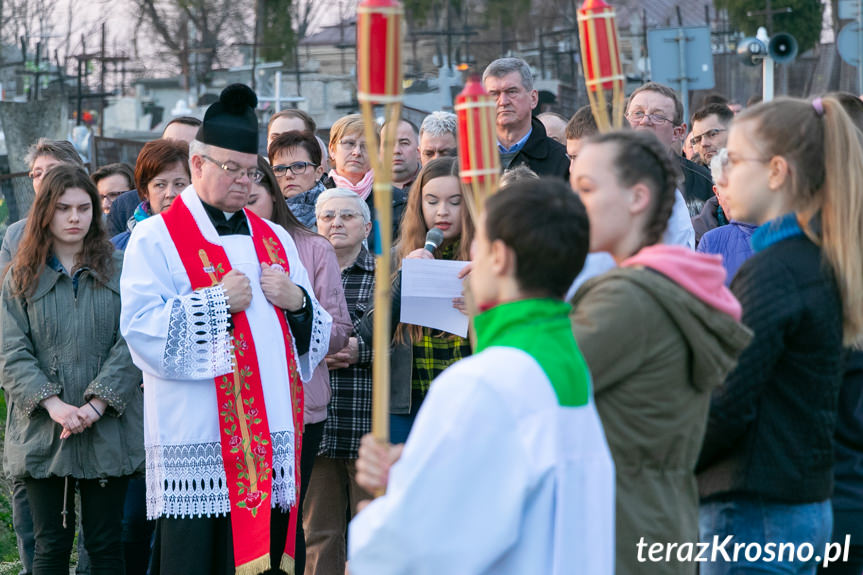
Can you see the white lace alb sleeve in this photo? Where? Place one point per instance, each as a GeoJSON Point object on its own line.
{"type": "Point", "coordinates": [322, 323]}
{"type": "Point", "coordinates": [198, 344]}
{"type": "Point", "coordinates": [172, 332]}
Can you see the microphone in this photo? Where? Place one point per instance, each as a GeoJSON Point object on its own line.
{"type": "Point", "coordinates": [434, 238]}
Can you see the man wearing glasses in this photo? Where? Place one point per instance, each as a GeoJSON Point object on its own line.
{"type": "Point", "coordinates": [658, 108]}
{"type": "Point", "coordinates": [710, 130]}
{"type": "Point", "coordinates": [219, 314]}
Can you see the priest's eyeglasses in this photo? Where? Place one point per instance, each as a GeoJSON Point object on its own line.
{"type": "Point", "coordinates": [296, 168]}
{"type": "Point", "coordinates": [236, 171]}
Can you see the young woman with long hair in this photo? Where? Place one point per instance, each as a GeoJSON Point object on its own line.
{"type": "Point", "coordinates": [319, 259]}
{"type": "Point", "coordinates": [420, 353]}
{"type": "Point", "coordinates": [658, 332]}
{"type": "Point", "coordinates": [795, 168]}
{"type": "Point", "coordinates": [76, 405]}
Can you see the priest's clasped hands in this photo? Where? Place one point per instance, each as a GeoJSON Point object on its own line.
{"type": "Point", "coordinates": [277, 286]}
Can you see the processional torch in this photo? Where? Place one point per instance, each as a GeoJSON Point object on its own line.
{"type": "Point", "coordinates": [479, 159]}
{"type": "Point", "coordinates": [379, 81]}
{"type": "Point", "coordinates": [600, 58]}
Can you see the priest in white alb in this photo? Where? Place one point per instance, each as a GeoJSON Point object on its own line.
{"type": "Point", "coordinates": [219, 314]}
{"type": "Point", "coordinates": [506, 470]}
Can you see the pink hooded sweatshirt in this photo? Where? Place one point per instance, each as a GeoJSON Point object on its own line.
{"type": "Point", "coordinates": [702, 275]}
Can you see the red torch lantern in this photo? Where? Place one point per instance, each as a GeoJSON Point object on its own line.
{"type": "Point", "coordinates": [479, 161]}
{"type": "Point", "coordinates": [379, 81]}
{"type": "Point", "coordinates": [600, 57]}
{"type": "Point", "coordinates": [379, 66]}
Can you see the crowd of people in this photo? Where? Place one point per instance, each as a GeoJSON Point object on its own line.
{"type": "Point", "coordinates": [662, 350]}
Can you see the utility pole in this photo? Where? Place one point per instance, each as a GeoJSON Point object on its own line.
{"type": "Point", "coordinates": [769, 12]}
{"type": "Point", "coordinates": [81, 60]}
{"type": "Point", "coordinates": [342, 45]}
{"type": "Point", "coordinates": [256, 34]}
{"type": "Point", "coordinates": [102, 57]}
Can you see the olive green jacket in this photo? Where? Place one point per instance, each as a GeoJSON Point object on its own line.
{"type": "Point", "coordinates": [655, 352]}
{"type": "Point", "coordinates": [59, 342]}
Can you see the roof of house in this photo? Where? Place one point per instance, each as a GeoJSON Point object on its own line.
{"type": "Point", "coordinates": [332, 35]}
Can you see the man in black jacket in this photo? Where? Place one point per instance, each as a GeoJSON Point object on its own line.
{"type": "Point", "coordinates": [521, 139]}
{"type": "Point", "coordinates": [658, 108]}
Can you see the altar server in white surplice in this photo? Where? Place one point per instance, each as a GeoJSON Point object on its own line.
{"type": "Point", "coordinates": [506, 470]}
{"type": "Point", "coordinates": [219, 314]}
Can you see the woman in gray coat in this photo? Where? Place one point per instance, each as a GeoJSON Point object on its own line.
{"type": "Point", "coordinates": [76, 405]}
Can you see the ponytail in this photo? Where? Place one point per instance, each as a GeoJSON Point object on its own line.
{"type": "Point", "coordinates": [842, 212]}
{"type": "Point", "coordinates": [823, 147]}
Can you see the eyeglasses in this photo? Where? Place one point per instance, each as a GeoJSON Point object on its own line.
{"type": "Point", "coordinates": [639, 117]}
{"type": "Point", "coordinates": [111, 195]}
{"type": "Point", "coordinates": [330, 215]}
{"type": "Point", "coordinates": [236, 171]}
{"type": "Point", "coordinates": [296, 168]}
{"type": "Point", "coordinates": [732, 161]}
{"type": "Point", "coordinates": [350, 145]}
{"type": "Point", "coordinates": [708, 134]}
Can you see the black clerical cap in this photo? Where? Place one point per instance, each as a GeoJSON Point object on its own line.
{"type": "Point", "coordinates": [231, 122]}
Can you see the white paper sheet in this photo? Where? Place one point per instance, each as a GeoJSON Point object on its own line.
{"type": "Point", "coordinates": [428, 288]}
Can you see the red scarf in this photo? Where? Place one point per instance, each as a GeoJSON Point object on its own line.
{"type": "Point", "coordinates": [247, 452]}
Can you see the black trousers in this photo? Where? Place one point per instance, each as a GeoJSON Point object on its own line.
{"type": "Point", "coordinates": [313, 433]}
{"type": "Point", "coordinates": [137, 530]}
{"type": "Point", "coordinates": [101, 522]}
{"type": "Point", "coordinates": [205, 546]}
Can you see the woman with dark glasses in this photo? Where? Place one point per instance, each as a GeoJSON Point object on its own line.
{"type": "Point", "coordinates": [296, 161]}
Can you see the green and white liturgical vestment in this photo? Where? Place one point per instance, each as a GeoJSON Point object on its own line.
{"type": "Point", "coordinates": [506, 469]}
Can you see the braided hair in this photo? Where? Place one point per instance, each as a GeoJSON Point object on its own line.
{"type": "Point", "coordinates": [639, 157]}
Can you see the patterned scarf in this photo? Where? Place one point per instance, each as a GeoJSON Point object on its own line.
{"type": "Point", "coordinates": [303, 205]}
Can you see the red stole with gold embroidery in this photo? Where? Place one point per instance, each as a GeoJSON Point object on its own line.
{"type": "Point", "coordinates": [247, 452]}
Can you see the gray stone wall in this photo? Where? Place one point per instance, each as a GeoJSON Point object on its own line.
{"type": "Point", "coordinates": [23, 124]}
